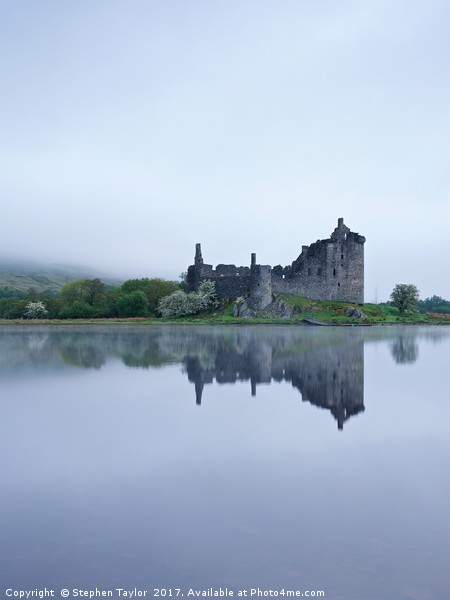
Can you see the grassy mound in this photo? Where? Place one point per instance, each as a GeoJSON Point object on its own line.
{"type": "Point", "coordinates": [336, 313]}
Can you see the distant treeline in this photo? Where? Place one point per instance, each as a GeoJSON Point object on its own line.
{"type": "Point", "coordinates": [435, 304]}
{"type": "Point", "coordinates": [89, 298]}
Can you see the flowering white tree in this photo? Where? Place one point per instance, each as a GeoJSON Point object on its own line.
{"type": "Point", "coordinates": [35, 310]}
{"type": "Point", "coordinates": [179, 303]}
{"type": "Point", "coordinates": [176, 304]}
{"type": "Point", "coordinates": [207, 294]}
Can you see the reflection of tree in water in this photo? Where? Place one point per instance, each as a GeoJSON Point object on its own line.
{"type": "Point", "coordinates": [84, 357]}
{"type": "Point", "coordinates": [142, 353]}
{"type": "Point", "coordinates": [37, 341]}
{"type": "Point", "coordinates": [433, 336]}
{"type": "Point", "coordinates": [404, 350]}
{"type": "Point", "coordinates": [77, 348]}
{"type": "Point", "coordinates": [159, 347]}
{"type": "Point", "coordinates": [26, 349]}
{"type": "Point", "coordinates": [136, 347]}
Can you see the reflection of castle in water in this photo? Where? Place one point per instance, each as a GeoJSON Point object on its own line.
{"type": "Point", "coordinates": [324, 364]}
{"type": "Point", "coordinates": [329, 376]}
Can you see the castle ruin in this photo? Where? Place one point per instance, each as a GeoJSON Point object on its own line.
{"type": "Point", "coordinates": [330, 269]}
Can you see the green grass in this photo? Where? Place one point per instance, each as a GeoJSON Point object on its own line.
{"type": "Point", "coordinates": [327, 312]}
{"type": "Point", "coordinates": [334, 313]}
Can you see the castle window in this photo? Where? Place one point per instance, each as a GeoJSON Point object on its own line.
{"type": "Point", "coordinates": [334, 272]}
{"type": "Point", "coordinates": [309, 270]}
{"type": "Point", "coordinates": [339, 285]}
{"type": "Point", "coordinates": [319, 271]}
{"type": "Point", "coordinates": [342, 257]}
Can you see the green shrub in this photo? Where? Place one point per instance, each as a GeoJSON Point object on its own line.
{"type": "Point", "coordinates": [78, 310]}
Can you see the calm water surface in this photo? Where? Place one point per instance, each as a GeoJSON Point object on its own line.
{"type": "Point", "coordinates": [240, 457]}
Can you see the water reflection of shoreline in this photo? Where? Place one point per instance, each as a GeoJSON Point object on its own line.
{"type": "Point", "coordinates": [326, 365]}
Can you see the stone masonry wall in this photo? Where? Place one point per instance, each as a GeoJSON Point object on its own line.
{"type": "Point", "coordinates": [330, 269]}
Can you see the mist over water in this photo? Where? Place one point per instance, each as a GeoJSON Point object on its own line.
{"type": "Point", "coordinates": [241, 457]}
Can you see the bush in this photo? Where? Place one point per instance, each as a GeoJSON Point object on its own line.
{"type": "Point", "coordinates": [78, 310]}
{"type": "Point", "coordinates": [179, 303]}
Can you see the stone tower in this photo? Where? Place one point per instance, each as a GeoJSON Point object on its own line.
{"type": "Point", "coordinates": [260, 285]}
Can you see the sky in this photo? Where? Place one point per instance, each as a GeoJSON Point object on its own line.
{"type": "Point", "coordinates": [129, 131]}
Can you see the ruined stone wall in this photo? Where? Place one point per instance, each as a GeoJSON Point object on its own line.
{"type": "Point", "coordinates": [330, 269]}
{"type": "Point", "coordinates": [230, 281]}
{"type": "Point", "coordinates": [308, 275]}
{"type": "Point", "coordinates": [232, 286]}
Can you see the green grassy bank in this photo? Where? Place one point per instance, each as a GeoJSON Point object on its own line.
{"type": "Point", "coordinates": [374, 314]}
{"type": "Point", "coordinates": [305, 311]}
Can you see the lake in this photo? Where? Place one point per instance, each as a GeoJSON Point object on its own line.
{"type": "Point", "coordinates": [272, 457]}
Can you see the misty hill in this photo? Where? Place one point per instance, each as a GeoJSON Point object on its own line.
{"type": "Point", "coordinates": [16, 276]}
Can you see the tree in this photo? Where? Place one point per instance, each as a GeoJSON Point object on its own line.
{"type": "Point", "coordinates": [183, 282]}
{"type": "Point", "coordinates": [154, 289]}
{"type": "Point", "coordinates": [12, 308]}
{"type": "Point", "coordinates": [80, 294]}
{"type": "Point", "coordinates": [405, 296]}
{"type": "Point", "coordinates": [134, 304]}
{"type": "Point", "coordinates": [35, 310]}
{"type": "Point", "coordinates": [179, 303]}
{"type": "Point", "coordinates": [435, 304]}
{"type": "Point", "coordinates": [207, 293]}
{"type": "Point", "coordinates": [32, 294]}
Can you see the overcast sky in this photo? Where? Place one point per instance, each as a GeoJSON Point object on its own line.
{"type": "Point", "coordinates": [130, 130]}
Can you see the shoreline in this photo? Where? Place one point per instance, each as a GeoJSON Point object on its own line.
{"type": "Point", "coordinates": [142, 322]}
